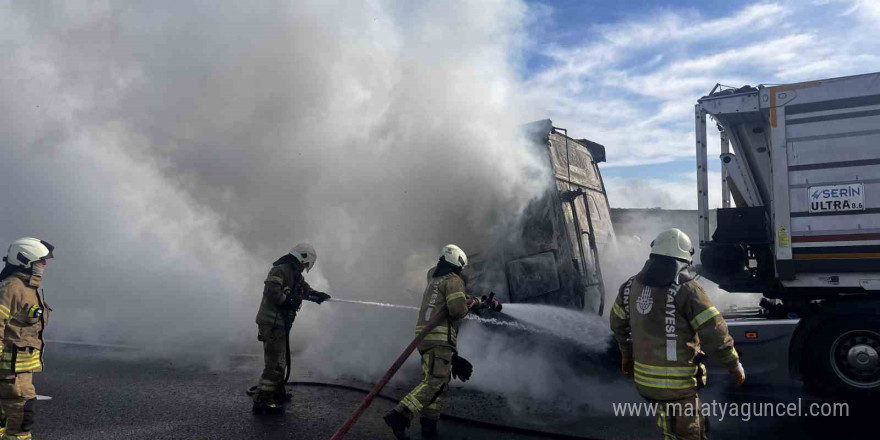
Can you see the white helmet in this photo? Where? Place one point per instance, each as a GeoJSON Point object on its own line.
{"type": "Point", "coordinates": [673, 243]}
{"type": "Point", "coordinates": [26, 251]}
{"type": "Point", "coordinates": [454, 255]}
{"type": "Point", "coordinates": [305, 254]}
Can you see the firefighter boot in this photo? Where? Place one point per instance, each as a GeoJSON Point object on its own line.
{"type": "Point", "coordinates": [398, 424]}
{"type": "Point", "coordinates": [19, 436]}
{"type": "Point", "coordinates": [281, 395]}
{"type": "Point", "coordinates": [265, 403]}
{"type": "Point", "coordinates": [429, 428]}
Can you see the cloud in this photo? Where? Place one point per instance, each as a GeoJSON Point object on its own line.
{"type": "Point", "coordinates": [631, 85]}
{"type": "Point", "coordinates": [673, 27]}
{"type": "Point", "coordinates": [866, 10]}
{"type": "Point", "coordinates": [675, 192]}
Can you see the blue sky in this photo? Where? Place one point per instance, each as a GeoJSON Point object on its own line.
{"type": "Point", "coordinates": [627, 74]}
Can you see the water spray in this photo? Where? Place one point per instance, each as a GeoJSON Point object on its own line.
{"type": "Point", "coordinates": [371, 303]}
{"type": "Point", "coordinates": [470, 316]}
{"type": "Point", "coordinates": [439, 318]}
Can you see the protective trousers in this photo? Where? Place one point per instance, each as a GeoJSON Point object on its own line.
{"type": "Point", "coordinates": [682, 419]}
{"type": "Point", "coordinates": [275, 357]}
{"type": "Point", "coordinates": [17, 398]}
{"type": "Point", "coordinates": [429, 397]}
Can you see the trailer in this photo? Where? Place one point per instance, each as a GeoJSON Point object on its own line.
{"type": "Point", "coordinates": [800, 222]}
{"type": "Point", "coordinates": [550, 254]}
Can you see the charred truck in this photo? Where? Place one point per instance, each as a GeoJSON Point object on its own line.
{"type": "Point", "coordinates": [801, 163]}
{"type": "Point", "coordinates": [550, 255]}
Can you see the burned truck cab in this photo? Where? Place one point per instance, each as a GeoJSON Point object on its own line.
{"type": "Point", "coordinates": [550, 253]}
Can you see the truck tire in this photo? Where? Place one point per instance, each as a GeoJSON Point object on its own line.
{"type": "Point", "coordinates": [843, 358]}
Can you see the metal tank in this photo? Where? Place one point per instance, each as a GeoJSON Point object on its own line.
{"type": "Point", "coordinates": [804, 176]}
{"type": "Point", "coordinates": [801, 164]}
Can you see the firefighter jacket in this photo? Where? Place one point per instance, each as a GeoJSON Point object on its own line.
{"type": "Point", "coordinates": [443, 293]}
{"type": "Point", "coordinates": [283, 294]}
{"type": "Point", "coordinates": [663, 328]}
{"type": "Point", "coordinates": [23, 316]}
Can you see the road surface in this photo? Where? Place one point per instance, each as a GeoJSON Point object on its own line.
{"type": "Point", "coordinates": [107, 393]}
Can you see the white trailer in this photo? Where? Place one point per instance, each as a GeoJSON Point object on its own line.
{"type": "Point", "coordinates": [801, 163]}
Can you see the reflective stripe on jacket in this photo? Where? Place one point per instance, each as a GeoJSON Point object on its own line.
{"type": "Point", "coordinates": [662, 329]}
{"type": "Point", "coordinates": [447, 293]}
{"type": "Point", "coordinates": [23, 316]}
{"type": "Point", "coordinates": [27, 360]}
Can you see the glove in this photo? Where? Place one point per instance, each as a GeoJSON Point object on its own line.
{"type": "Point", "coordinates": [487, 302]}
{"type": "Point", "coordinates": [739, 372]}
{"type": "Point", "coordinates": [470, 302]}
{"type": "Point", "coordinates": [627, 365]}
{"type": "Point", "coordinates": [318, 297]}
{"type": "Point", "coordinates": [461, 368]}
{"type": "Point", "coordinates": [495, 305]}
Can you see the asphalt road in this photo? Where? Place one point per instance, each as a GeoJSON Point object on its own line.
{"type": "Point", "coordinates": [105, 393]}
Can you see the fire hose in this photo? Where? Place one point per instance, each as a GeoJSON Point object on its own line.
{"type": "Point", "coordinates": [439, 318]}
{"type": "Point", "coordinates": [434, 322]}
{"type": "Point", "coordinates": [458, 419]}
{"type": "Point", "coordinates": [287, 369]}
{"type": "Point", "coordinates": [375, 392]}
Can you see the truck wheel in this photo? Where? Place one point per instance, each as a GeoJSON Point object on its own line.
{"type": "Point", "coordinates": [845, 358]}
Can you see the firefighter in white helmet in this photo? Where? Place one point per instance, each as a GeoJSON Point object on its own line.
{"type": "Point", "coordinates": [23, 316]}
{"type": "Point", "coordinates": [283, 293]}
{"type": "Point", "coordinates": [665, 325]}
{"type": "Point", "coordinates": [445, 293]}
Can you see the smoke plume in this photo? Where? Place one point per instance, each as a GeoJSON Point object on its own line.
{"type": "Point", "coordinates": [171, 151]}
{"type": "Point", "coordinates": [636, 228]}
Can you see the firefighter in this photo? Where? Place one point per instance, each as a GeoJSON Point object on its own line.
{"type": "Point", "coordinates": [283, 293]}
{"type": "Point", "coordinates": [23, 316]}
{"type": "Point", "coordinates": [445, 293]}
{"type": "Point", "coordinates": [665, 325]}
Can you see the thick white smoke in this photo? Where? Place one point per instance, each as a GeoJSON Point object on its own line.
{"type": "Point", "coordinates": [171, 151]}
{"type": "Point", "coordinates": [636, 228]}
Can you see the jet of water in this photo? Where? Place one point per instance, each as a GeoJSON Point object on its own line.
{"type": "Point", "coordinates": [510, 324]}
{"type": "Point", "coordinates": [585, 329]}
{"type": "Point", "coordinates": [489, 321]}
{"type": "Point", "coordinates": [371, 303]}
